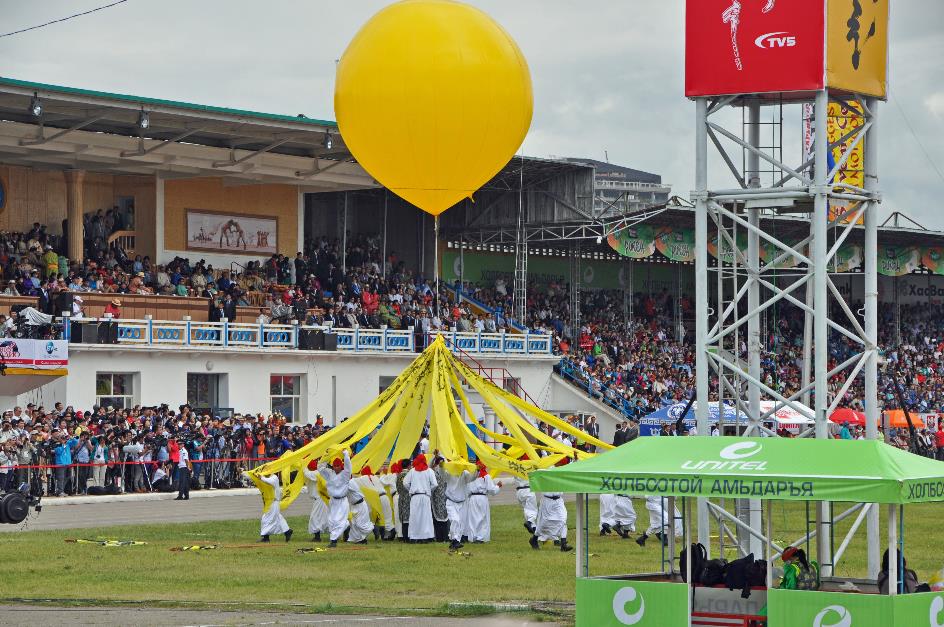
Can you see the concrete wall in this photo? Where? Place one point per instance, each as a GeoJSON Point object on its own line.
{"type": "Point", "coordinates": [335, 385]}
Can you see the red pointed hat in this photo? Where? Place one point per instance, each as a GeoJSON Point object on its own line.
{"type": "Point", "coordinates": [312, 465]}
{"type": "Point", "coordinates": [365, 471]}
{"type": "Point", "coordinates": [337, 464]}
{"type": "Point", "coordinates": [482, 469]}
{"type": "Point", "coordinates": [419, 462]}
{"type": "Point", "coordinates": [395, 468]}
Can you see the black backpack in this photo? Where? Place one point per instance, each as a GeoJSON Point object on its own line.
{"type": "Point", "coordinates": [757, 574]}
{"type": "Point", "coordinates": [713, 572]}
{"type": "Point", "coordinates": [699, 557]}
{"type": "Point", "coordinates": [736, 575]}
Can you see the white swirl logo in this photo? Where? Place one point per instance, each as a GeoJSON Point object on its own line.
{"type": "Point", "coordinates": [844, 617]}
{"type": "Point", "coordinates": [621, 598]}
{"type": "Point", "coordinates": [740, 450]}
{"type": "Point", "coordinates": [937, 605]}
{"type": "Point", "coordinates": [457, 267]}
{"type": "Point", "coordinates": [588, 275]}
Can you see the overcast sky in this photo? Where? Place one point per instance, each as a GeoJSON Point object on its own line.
{"type": "Point", "coordinates": [607, 74]}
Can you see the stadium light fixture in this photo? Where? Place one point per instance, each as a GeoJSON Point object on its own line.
{"type": "Point", "coordinates": [36, 105]}
{"type": "Point", "coordinates": [328, 142]}
{"type": "Point", "coordinates": [144, 119]}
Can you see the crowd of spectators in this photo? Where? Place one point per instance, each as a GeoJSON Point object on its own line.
{"type": "Point", "coordinates": [63, 451]}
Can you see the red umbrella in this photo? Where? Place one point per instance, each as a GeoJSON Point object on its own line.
{"type": "Point", "coordinates": [844, 414]}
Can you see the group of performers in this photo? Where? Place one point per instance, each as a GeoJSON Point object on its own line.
{"type": "Point", "coordinates": [434, 505]}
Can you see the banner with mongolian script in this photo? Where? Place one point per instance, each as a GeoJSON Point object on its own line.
{"type": "Point", "coordinates": [637, 242]}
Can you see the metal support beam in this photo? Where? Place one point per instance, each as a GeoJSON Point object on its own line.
{"type": "Point", "coordinates": [76, 127]}
{"type": "Point", "coordinates": [141, 151]}
{"type": "Point", "coordinates": [232, 153]}
{"type": "Point", "coordinates": [700, 198]}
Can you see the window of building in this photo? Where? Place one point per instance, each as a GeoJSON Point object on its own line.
{"type": "Point", "coordinates": [115, 389]}
{"type": "Point", "coordinates": [285, 391]}
{"type": "Point", "coordinates": [203, 390]}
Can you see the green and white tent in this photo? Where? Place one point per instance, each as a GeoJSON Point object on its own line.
{"type": "Point", "coordinates": [867, 471]}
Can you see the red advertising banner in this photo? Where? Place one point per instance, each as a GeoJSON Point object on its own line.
{"type": "Point", "coordinates": [754, 46]}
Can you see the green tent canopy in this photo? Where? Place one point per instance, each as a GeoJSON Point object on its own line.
{"type": "Point", "coordinates": [867, 471]}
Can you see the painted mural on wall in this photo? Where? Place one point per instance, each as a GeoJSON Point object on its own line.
{"type": "Point", "coordinates": [213, 231]}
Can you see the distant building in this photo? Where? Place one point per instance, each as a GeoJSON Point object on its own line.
{"type": "Point", "coordinates": [618, 189]}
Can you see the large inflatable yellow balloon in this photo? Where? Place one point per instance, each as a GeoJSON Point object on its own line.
{"type": "Point", "coordinates": [433, 98]}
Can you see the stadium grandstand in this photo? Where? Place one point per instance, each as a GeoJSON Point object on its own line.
{"type": "Point", "coordinates": [136, 227]}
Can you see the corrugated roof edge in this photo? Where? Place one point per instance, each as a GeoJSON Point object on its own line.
{"type": "Point", "coordinates": [13, 82]}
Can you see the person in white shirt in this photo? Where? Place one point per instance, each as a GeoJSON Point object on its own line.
{"type": "Point", "coordinates": [420, 481]}
{"type": "Point", "coordinates": [361, 524]}
{"type": "Point", "coordinates": [183, 475]}
{"type": "Point", "coordinates": [318, 519]}
{"type": "Point", "coordinates": [337, 476]}
{"type": "Point", "coordinates": [607, 518]}
{"type": "Point", "coordinates": [552, 521]}
{"type": "Point", "coordinates": [369, 481]}
{"type": "Point", "coordinates": [479, 513]}
{"type": "Point", "coordinates": [389, 482]}
{"type": "Point", "coordinates": [529, 505]}
{"type": "Point", "coordinates": [624, 514]}
{"type": "Point", "coordinates": [659, 522]}
{"type": "Point", "coordinates": [456, 500]}
{"type": "Point", "coordinates": [272, 519]}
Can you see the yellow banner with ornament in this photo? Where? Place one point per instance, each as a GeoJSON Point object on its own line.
{"type": "Point", "coordinates": [857, 46]}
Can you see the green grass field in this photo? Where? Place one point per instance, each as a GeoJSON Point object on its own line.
{"type": "Point", "coordinates": [381, 577]}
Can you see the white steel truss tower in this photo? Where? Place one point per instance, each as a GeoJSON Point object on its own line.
{"type": "Point", "coordinates": [748, 286]}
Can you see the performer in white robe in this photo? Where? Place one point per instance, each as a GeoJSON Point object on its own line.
{"type": "Point", "coordinates": [529, 505]}
{"type": "Point", "coordinates": [361, 524]}
{"type": "Point", "coordinates": [624, 514]}
{"type": "Point", "coordinates": [369, 481]}
{"type": "Point", "coordinates": [272, 519]}
{"type": "Point", "coordinates": [337, 477]}
{"type": "Point", "coordinates": [607, 518]}
{"type": "Point", "coordinates": [552, 521]}
{"type": "Point", "coordinates": [420, 481]}
{"type": "Point", "coordinates": [389, 483]}
{"type": "Point", "coordinates": [318, 520]}
{"type": "Point", "coordinates": [479, 513]}
{"type": "Point", "coordinates": [456, 502]}
{"type": "Point", "coordinates": [659, 521]}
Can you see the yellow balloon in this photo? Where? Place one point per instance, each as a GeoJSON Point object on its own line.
{"type": "Point", "coordinates": [433, 98]}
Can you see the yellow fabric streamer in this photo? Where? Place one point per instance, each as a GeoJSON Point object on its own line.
{"type": "Point", "coordinates": [424, 393]}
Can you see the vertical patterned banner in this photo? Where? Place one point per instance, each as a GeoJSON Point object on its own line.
{"type": "Point", "coordinates": [839, 123]}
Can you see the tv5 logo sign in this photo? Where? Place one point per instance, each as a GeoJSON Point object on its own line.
{"type": "Point", "coordinates": [779, 39]}
{"type": "Point", "coordinates": [753, 46]}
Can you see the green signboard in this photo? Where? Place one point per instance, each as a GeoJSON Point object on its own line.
{"type": "Point", "coordinates": [828, 609]}
{"type": "Point", "coordinates": [617, 602]}
{"type": "Point", "coordinates": [637, 242]}
{"type": "Point", "coordinates": [898, 260]}
{"type": "Point", "coordinates": [919, 609]}
{"type": "Point", "coordinates": [676, 244]}
{"type": "Point", "coordinates": [647, 278]}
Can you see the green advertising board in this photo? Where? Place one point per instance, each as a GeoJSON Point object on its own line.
{"type": "Point", "coordinates": [484, 268]}
{"type": "Point", "coordinates": [617, 602]}
{"type": "Point", "coordinates": [637, 242]}
{"type": "Point", "coordinates": [828, 609]}
{"type": "Point", "coordinates": [919, 609]}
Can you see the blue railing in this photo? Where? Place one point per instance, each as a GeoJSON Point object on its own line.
{"type": "Point", "coordinates": [569, 373]}
{"type": "Point", "coordinates": [224, 334]}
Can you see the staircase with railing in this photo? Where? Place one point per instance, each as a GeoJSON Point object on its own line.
{"type": "Point", "coordinates": [593, 388]}
{"type": "Point", "coordinates": [462, 295]}
{"type": "Point", "coordinates": [498, 376]}
{"type": "Point", "coordinates": [123, 240]}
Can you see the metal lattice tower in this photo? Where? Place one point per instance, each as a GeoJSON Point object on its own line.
{"type": "Point", "coordinates": [747, 286]}
{"type": "Point", "coordinates": [521, 257]}
{"type": "Point", "coordinates": [575, 274]}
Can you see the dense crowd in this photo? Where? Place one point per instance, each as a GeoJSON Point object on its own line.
{"type": "Point", "coordinates": [61, 450]}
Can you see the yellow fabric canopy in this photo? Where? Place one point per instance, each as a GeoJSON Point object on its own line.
{"type": "Point", "coordinates": [425, 393]}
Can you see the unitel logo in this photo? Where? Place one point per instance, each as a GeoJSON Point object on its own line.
{"type": "Point", "coordinates": [779, 39]}
{"type": "Point", "coordinates": [731, 458]}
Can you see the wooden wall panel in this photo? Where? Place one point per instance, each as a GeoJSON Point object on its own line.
{"type": "Point", "coordinates": [210, 193]}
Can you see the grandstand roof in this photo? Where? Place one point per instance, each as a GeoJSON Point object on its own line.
{"type": "Point", "coordinates": [610, 169]}
{"type": "Point", "coordinates": [252, 143]}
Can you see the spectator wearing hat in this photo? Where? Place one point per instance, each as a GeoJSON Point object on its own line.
{"type": "Point", "coordinates": [78, 312]}
{"type": "Point", "coordinates": [113, 309]}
